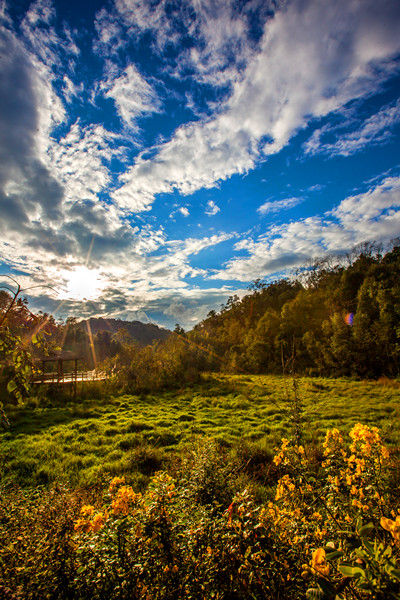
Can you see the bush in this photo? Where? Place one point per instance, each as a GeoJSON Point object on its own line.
{"type": "Point", "coordinates": [169, 364]}
{"type": "Point", "coordinates": [330, 531]}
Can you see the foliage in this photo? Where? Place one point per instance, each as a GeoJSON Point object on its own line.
{"type": "Point", "coordinates": [341, 320]}
{"type": "Point", "coordinates": [171, 363]}
{"type": "Point", "coordinates": [330, 530]}
{"type": "Point", "coordinates": [20, 337]}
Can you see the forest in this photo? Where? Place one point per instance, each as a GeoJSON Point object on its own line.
{"type": "Point", "coordinates": [335, 319]}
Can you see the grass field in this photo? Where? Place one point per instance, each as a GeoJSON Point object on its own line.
{"type": "Point", "coordinates": [81, 442]}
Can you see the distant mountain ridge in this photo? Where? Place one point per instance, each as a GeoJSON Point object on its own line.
{"type": "Point", "coordinates": [143, 333]}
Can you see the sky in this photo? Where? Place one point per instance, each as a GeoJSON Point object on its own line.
{"type": "Point", "coordinates": [157, 156]}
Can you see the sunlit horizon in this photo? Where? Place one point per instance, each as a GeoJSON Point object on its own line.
{"type": "Point", "coordinates": [157, 161]}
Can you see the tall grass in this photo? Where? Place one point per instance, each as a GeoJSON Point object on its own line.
{"type": "Point", "coordinates": [56, 439]}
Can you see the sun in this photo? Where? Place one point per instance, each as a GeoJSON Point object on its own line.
{"type": "Point", "coordinates": [82, 283]}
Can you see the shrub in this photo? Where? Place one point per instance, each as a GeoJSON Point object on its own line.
{"type": "Point", "coordinates": [330, 531]}
{"type": "Point", "coordinates": [169, 364]}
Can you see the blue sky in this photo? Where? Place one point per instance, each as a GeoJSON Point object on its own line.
{"type": "Point", "coordinates": [158, 156]}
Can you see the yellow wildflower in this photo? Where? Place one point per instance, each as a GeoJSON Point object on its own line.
{"type": "Point", "coordinates": [284, 485]}
{"type": "Point", "coordinates": [392, 526]}
{"type": "Point", "coordinates": [98, 521]}
{"type": "Point", "coordinates": [318, 562]}
{"type": "Point", "coordinates": [280, 457]}
{"type": "Point", "coordinates": [87, 510]}
{"type": "Point", "coordinates": [115, 482]}
{"type": "Point", "coordinates": [123, 499]}
{"type": "Point", "coordinates": [333, 441]}
{"type": "Point", "coordinates": [367, 439]}
{"type": "Point", "coordinates": [82, 526]}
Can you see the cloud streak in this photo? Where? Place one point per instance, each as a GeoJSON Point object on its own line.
{"type": "Point", "coordinates": [278, 205]}
{"type": "Point", "coordinates": [314, 58]}
{"type": "Point", "coordinates": [372, 215]}
{"type": "Point", "coordinates": [374, 131]}
{"type": "Point", "coordinates": [132, 94]}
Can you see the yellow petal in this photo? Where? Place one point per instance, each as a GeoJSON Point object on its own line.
{"type": "Point", "coordinates": [387, 523]}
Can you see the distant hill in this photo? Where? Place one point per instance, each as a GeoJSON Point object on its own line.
{"type": "Point", "coordinates": [143, 333]}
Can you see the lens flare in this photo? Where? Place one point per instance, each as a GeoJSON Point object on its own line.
{"type": "Point", "coordinates": [349, 318]}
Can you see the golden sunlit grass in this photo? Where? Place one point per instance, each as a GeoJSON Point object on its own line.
{"type": "Point", "coordinates": [83, 441]}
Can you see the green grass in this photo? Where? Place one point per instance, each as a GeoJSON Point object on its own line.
{"type": "Point", "coordinates": [81, 443]}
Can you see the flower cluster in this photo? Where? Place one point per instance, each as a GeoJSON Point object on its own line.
{"type": "Point", "coordinates": [115, 482]}
{"type": "Point", "coordinates": [318, 562]}
{"type": "Point", "coordinates": [348, 490]}
{"type": "Point", "coordinates": [124, 500]}
{"type": "Point", "coordinates": [324, 522]}
{"type": "Point", "coordinates": [85, 524]}
{"type": "Point", "coordinates": [286, 453]}
{"type": "Point", "coordinates": [368, 441]}
{"type": "Point", "coordinates": [392, 526]}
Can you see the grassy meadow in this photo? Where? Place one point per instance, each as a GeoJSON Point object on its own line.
{"type": "Point", "coordinates": [83, 442]}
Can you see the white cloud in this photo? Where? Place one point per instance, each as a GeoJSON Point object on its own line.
{"type": "Point", "coordinates": [278, 205]}
{"type": "Point", "coordinates": [184, 211]}
{"type": "Point", "coordinates": [212, 208]}
{"type": "Point", "coordinates": [70, 89]}
{"type": "Point", "coordinates": [314, 58]}
{"type": "Point", "coordinates": [220, 35]}
{"type": "Point", "coordinates": [375, 130]}
{"type": "Point", "coordinates": [132, 94]}
{"type": "Point", "coordinates": [80, 160]}
{"type": "Point", "coordinates": [140, 15]}
{"type": "Point", "coordinates": [195, 245]}
{"type": "Point", "coordinates": [372, 215]}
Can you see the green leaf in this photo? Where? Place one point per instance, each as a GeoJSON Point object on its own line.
{"type": "Point", "coordinates": [369, 546]}
{"type": "Point", "coordinates": [333, 555]}
{"type": "Point", "coordinates": [314, 594]}
{"type": "Point", "coordinates": [365, 530]}
{"type": "Point", "coordinates": [11, 386]}
{"type": "Point", "coordinates": [349, 571]}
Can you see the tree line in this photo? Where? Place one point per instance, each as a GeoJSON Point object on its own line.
{"type": "Point", "coordinates": [340, 317]}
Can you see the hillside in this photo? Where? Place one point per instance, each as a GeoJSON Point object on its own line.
{"type": "Point", "coordinates": [339, 317]}
{"type": "Point", "coordinates": [143, 333]}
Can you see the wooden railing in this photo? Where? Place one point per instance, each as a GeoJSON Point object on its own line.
{"type": "Point", "coordinates": [71, 377]}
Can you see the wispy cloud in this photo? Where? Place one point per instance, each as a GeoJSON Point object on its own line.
{"type": "Point", "coordinates": [278, 205]}
{"type": "Point", "coordinates": [212, 208]}
{"type": "Point", "coordinates": [132, 94]}
{"type": "Point", "coordinates": [375, 130]}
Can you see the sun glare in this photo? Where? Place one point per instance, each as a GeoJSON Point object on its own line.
{"type": "Point", "coordinates": [82, 283]}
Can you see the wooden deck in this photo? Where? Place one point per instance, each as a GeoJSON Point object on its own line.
{"type": "Point", "coordinates": [72, 377]}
